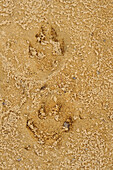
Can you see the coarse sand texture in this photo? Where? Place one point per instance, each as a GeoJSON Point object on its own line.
{"type": "Point", "coordinates": [56, 85]}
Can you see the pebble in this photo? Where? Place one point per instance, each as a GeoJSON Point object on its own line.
{"type": "Point", "coordinates": [66, 126]}
{"type": "Point", "coordinates": [3, 103]}
{"type": "Point", "coordinates": [74, 78]}
{"type": "Point", "coordinates": [19, 159]}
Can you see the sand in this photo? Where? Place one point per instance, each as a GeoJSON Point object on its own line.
{"type": "Point", "coordinates": [56, 91]}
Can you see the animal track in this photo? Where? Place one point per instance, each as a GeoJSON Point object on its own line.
{"type": "Point", "coordinates": [45, 127]}
{"type": "Point", "coordinates": [47, 51]}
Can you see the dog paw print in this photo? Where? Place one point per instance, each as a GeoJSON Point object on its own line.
{"type": "Point", "coordinates": [42, 131]}
{"type": "Point", "coordinates": [49, 36]}
{"type": "Point", "coordinates": [48, 126]}
{"type": "Point", "coordinates": [47, 51]}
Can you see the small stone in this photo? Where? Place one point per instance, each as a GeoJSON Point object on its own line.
{"type": "Point", "coordinates": [3, 103]}
{"type": "Point", "coordinates": [66, 126]}
{"type": "Point", "coordinates": [74, 78]}
{"type": "Point", "coordinates": [19, 159]}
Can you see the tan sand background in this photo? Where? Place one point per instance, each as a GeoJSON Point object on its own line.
{"type": "Point", "coordinates": [56, 92]}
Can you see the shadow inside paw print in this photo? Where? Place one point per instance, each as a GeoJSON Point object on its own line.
{"type": "Point", "coordinates": [54, 35]}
